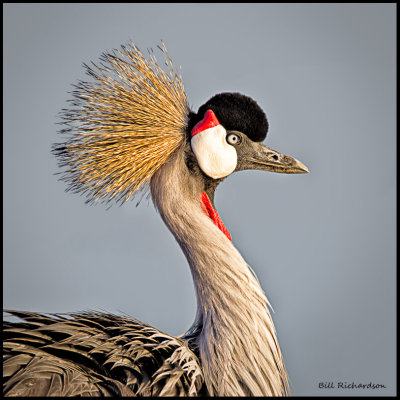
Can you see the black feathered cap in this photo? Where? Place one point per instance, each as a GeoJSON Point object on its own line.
{"type": "Point", "coordinates": [235, 111]}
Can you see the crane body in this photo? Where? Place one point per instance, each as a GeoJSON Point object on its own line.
{"type": "Point", "coordinates": [231, 349]}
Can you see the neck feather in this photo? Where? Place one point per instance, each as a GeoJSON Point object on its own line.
{"type": "Point", "coordinates": [233, 329]}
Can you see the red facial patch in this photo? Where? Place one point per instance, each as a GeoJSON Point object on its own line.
{"type": "Point", "coordinates": [209, 121]}
{"type": "Point", "coordinates": [212, 213]}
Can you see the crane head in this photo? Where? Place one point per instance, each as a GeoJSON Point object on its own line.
{"type": "Point", "coordinates": [125, 124]}
{"type": "Point", "coordinates": [226, 135]}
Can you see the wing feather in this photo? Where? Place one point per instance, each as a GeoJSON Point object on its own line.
{"type": "Point", "coordinates": [95, 354]}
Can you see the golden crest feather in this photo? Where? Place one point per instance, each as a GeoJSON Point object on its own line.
{"type": "Point", "coordinates": [123, 125]}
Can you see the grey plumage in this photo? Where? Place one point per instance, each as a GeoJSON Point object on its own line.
{"type": "Point", "coordinates": [233, 329]}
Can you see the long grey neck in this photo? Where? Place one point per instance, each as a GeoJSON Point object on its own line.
{"type": "Point", "coordinates": [233, 329]}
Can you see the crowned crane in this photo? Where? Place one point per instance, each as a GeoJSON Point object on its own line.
{"type": "Point", "coordinates": [128, 129]}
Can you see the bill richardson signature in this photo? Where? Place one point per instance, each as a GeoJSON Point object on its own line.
{"type": "Point", "coordinates": [350, 385]}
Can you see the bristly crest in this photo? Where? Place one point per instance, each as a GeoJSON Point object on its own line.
{"type": "Point", "coordinates": [123, 126]}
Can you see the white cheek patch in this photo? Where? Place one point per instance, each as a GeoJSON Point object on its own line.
{"type": "Point", "coordinates": [215, 156]}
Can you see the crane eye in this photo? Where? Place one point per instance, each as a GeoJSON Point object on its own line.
{"type": "Point", "coordinates": [233, 138]}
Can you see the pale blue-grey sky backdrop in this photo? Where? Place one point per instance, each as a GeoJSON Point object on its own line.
{"type": "Point", "coordinates": [322, 244]}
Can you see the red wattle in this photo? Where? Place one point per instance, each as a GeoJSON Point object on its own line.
{"type": "Point", "coordinates": [209, 121]}
{"type": "Point", "coordinates": [212, 213]}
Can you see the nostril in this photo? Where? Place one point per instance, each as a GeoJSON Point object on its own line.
{"type": "Point", "coordinates": [275, 157]}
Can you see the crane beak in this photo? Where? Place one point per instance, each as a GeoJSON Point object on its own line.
{"type": "Point", "coordinates": [264, 158]}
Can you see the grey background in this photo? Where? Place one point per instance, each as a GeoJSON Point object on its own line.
{"type": "Point", "coordinates": [322, 244]}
